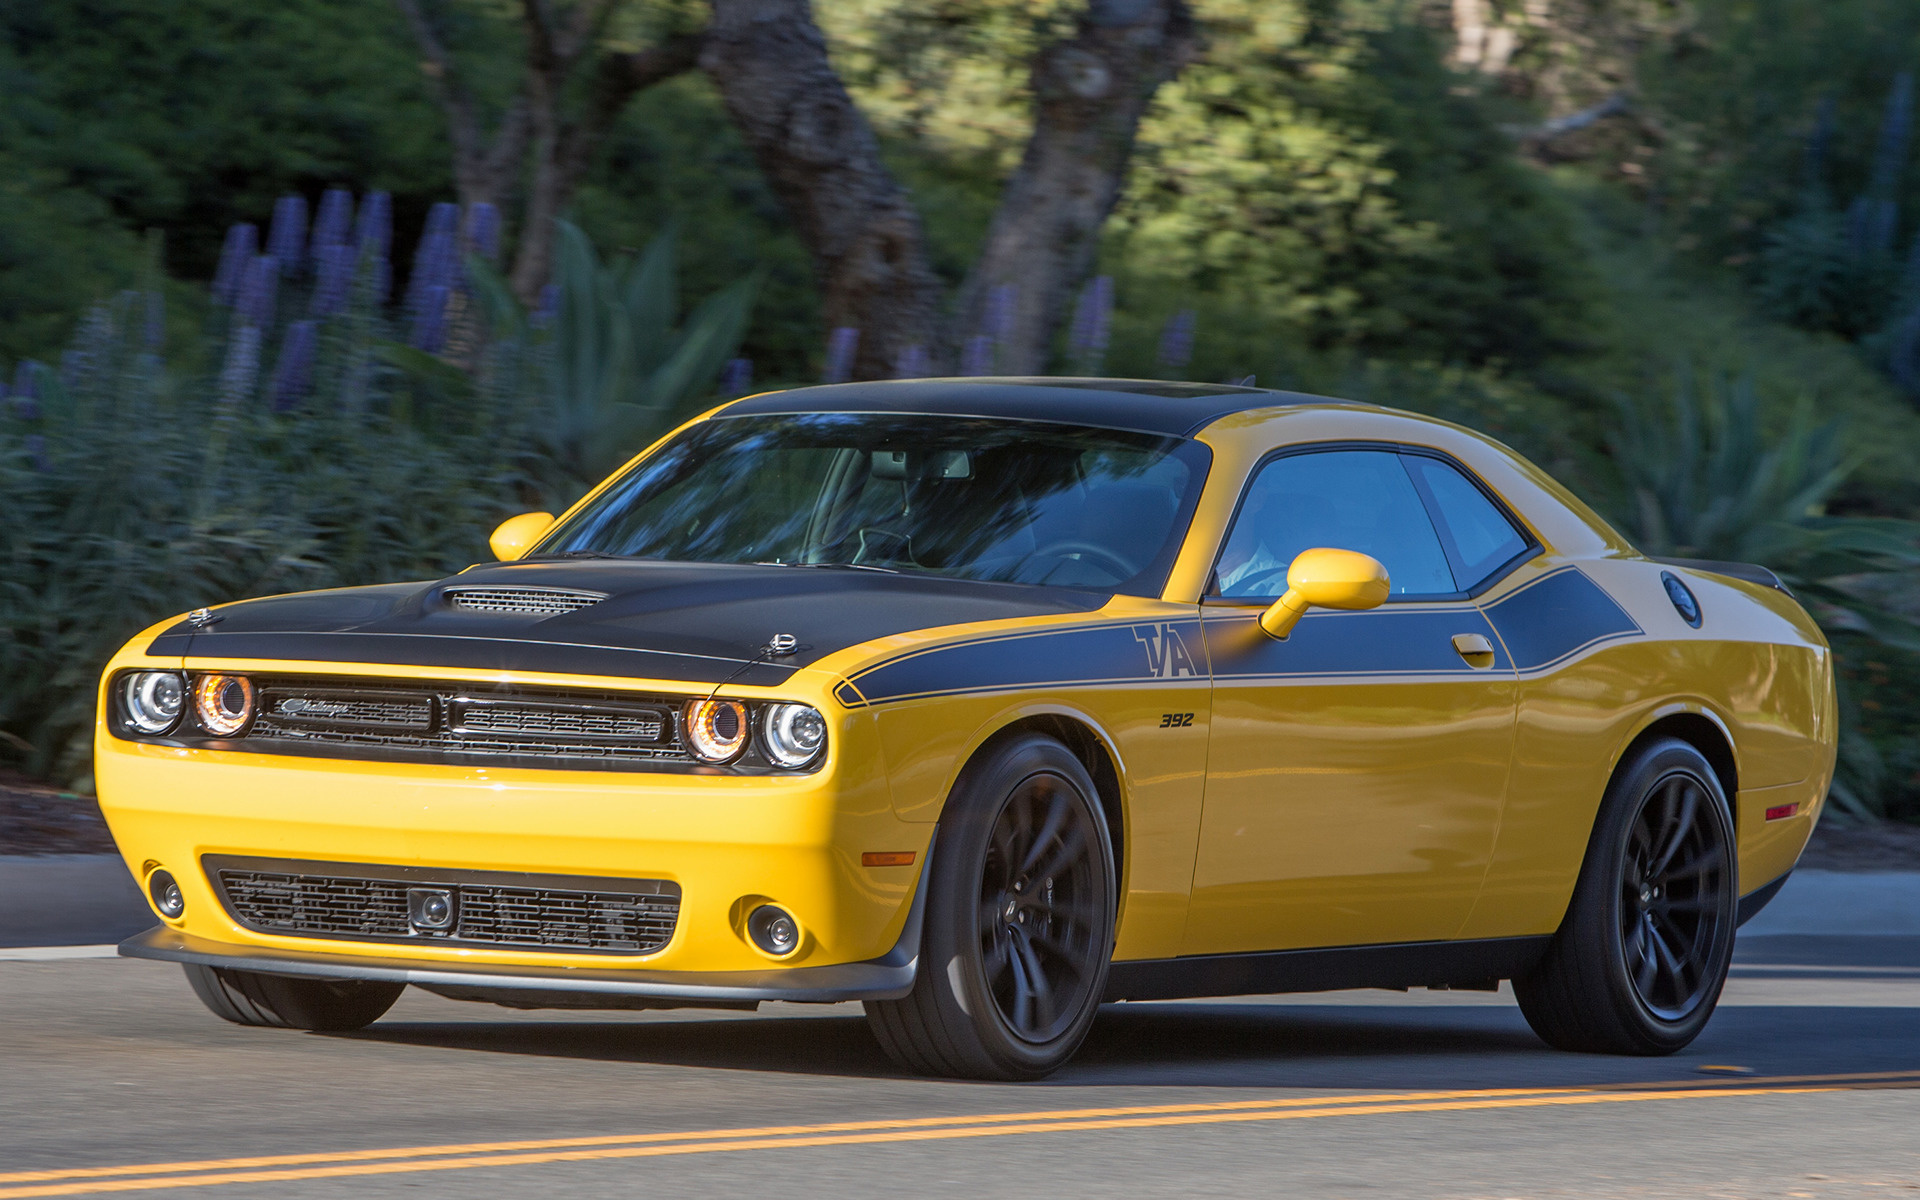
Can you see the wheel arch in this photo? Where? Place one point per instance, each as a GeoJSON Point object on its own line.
{"type": "Point", "coordinates": [1086, 742]}
{"type": "Point", "coordinates": [1700, 727]}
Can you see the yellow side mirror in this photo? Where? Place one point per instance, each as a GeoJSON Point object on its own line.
{"type": "Point", "coordinates": [516, 535]}
{"type": "Point", "coordinates": [1330, 579]}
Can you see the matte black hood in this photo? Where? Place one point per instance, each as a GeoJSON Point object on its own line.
{"type": "Point", "coordinates": [701, 622]}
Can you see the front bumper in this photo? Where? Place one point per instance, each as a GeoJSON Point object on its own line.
{"type": "Point", "coordinates": [886, 978]}
{"type": "Point", "coordinates": [725, 843]}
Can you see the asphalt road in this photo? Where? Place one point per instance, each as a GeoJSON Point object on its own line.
{"type": "Point", "coordinates": [112, 1064]}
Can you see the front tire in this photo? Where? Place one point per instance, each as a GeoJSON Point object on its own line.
{"type": "Point", "coordinates": [1019, 922]}
{"type": "Point", "coordinates": [1638, 964]}
{"type": "Point", "coordinates": [286, 1002]}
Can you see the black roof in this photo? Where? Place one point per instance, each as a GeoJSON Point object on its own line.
{"type": "Point", "coordinates": [1145, 405]}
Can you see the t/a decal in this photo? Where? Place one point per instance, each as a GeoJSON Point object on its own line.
{"type": "Point", "coordinates": [1167, 656]}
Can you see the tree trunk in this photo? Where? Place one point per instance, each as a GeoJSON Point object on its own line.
{"type": "Point", "coordinates": [769, 60]}
{"type": "Point", "coordinates": [560, 43]}
{"type": "Point", "coordinates": [563, 146]}
{"type": "Point", "coordinates": [484, 168]}
{"type": "Point", "coordinates": [1090, 92]}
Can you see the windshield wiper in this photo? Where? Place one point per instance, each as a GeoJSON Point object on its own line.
{"type": "Point", "coordinates": [833, 566]}
{"type": "Point", "coordinates": [573, 554]}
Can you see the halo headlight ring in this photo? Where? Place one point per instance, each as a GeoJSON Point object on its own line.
{"type": "Point", "coordinates": [716, 730]}
{"type": "Point", "coordinates": [223, 704]}
{"type": "Point", "coordinates": [793, 735]}
{"type": "Point", "coordinates": [151, 701]}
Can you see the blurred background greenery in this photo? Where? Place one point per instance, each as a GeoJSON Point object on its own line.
{"type": "Point", "coordinates": [1667, 249]}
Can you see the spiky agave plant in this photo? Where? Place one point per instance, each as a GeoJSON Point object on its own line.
{"type": "Point", "coordinates": [620, 367]}
{"type": "Point", "coordinates": [1702, 481]}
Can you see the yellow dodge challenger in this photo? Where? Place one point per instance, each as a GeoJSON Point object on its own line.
{"type": "Point", "coordinates": [986, 702]}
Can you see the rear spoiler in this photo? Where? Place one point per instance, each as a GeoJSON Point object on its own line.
{"type": "Point", "coordinates": [1750, 572]}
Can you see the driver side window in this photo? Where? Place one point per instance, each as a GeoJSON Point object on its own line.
{"type": "Point", "coordinates": [1342, 499]}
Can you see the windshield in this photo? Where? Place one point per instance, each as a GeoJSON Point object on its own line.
{"type": "Point", "coordinates": [961, 497]}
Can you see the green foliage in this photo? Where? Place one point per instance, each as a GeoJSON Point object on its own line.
{"type": "Point", "coordinates": [135, 493]}
{"type": "Point", "coordinates": [1702, 482]}
{"type": "Point", "coordinates": [188, 115]}
{"type": "Point", "coordinates": [675, 159]}
{"type": "Point", "coordinates": [619, 366]}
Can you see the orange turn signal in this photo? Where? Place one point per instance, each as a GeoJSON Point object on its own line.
{"type": "Point", "coordinates": [887, 858]}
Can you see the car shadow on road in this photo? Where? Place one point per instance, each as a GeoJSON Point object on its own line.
{"type": "Point", "coordinates": [1232, 1044]}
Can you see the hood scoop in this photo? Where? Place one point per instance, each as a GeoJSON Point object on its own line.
{"type": "Point", "coordinates": [522, 601]}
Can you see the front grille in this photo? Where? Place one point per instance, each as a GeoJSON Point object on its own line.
{"type": "Point", "coordinates": [355, 902]}
{"type": "Point", "coordinates": [524, 601]}
{"type": "Point", "coordinates": [559, 720]}
{"type": "Point", "coordinates": [466, 721]}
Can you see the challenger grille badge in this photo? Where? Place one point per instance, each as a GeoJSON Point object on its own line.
{"type": "Point", "coordinates": [200, 618]}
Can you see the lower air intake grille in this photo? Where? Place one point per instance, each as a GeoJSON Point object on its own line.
{"type": "Point", "coordinates": [355, 902]}
{"type": "Point", "coordinates": [523, 601]}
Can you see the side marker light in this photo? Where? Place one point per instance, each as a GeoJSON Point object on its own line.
{"type": "Point", "coordinates": [887, 858]}
{"type": "Point", "coordinates": [1780, 812]}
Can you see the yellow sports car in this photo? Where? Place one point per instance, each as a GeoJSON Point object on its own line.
{"type": "Point", "coordinates": [985, 702]}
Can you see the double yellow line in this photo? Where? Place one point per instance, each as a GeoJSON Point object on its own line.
{"type": "Point", "coordinates": [81, 1181]}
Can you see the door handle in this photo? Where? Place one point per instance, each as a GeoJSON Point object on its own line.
{"type": "Point", "coordinates": [1475, 648]}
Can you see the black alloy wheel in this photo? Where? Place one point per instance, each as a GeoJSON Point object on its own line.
{"type": "Point", "coordinates": [1018, 925]}
{"type": "Point", "coordinates": [1043, 905]}
{"type": "Point", "coordinates": [1673, 899]}
{"type": "Point", "coordinates": [1639, 961]}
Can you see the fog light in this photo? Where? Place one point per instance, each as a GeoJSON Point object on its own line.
{"type": "Point", "coordinates": [774, 930]}
{"type": "Point", "coordinates": [430, 910]}
{"type": "Point", "coordinates": [165, 890]}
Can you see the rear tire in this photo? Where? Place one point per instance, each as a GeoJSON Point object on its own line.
{"type": "Point", "coordinates": [1640, 959]}
{"type": "Point", "coordinates": [1019, 922]}
{"type": "Point", "coordinates": [287, 1002]}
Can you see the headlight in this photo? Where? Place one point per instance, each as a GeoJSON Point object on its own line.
{"type": "Point", "coordinates": [794, 734]}
{"type": "Point", "coordinates": [223, 703]}
{"type": "Point", "coordinates": [153, 700]}
{"type": "Point", "coordinates": [716, 729]}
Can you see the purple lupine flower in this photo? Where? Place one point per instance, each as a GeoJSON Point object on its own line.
{"type": "Point", "coordinates": [736, 377]}
{"type": "Point", "coordinates": [483, 230]}
{"type": "Point", "coordinates": [841, 345]}
{"type": "Point", "coordinates": [548, 309]}
{"type": "Point", "coordinates": [911, 363]}
{"type": "Point", "coordinates": [253, 306]}
{"type": "Point", "coordinates": [36, 447]}
{"type": "Point", "coordinates": [243, 242]}
{"type": "Point", "coordinates": [242, 368]}
{"type": "Point", "coordinates": [26, 390]}
{"type": "Point", "coordinates": [1176, 341]}
{"type": "Point", "coordinates": [287, 236]}
{"type": "Point", "coordinates": [1091, 316]}
{"type": "Point", "coordinates": [333, 224]}
{"type": "Point", "coordinates": [375, 227]}
{"type": "Point", "coordinates": [154, 333]}
{"type": "Point", "coordinates": [1896, 128]}
{"type": "Point", "coordinates": [293, 374]}
{"type": "Point", "coordinates": [436, 257]}
{"type": "Point", "coordinates": [976, 356]}
{"type": "Point", "coordinates": [333, 268]}
{"type": "Point", "coordinates": [1000, 305]}
{"type": "Point", "coordinates": [430, 322]}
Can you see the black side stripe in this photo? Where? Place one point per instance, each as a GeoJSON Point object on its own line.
{"type": "Point", "coordinates": [1146, 652]}
{"type": "Point", "coordinates": [1557, 616]}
